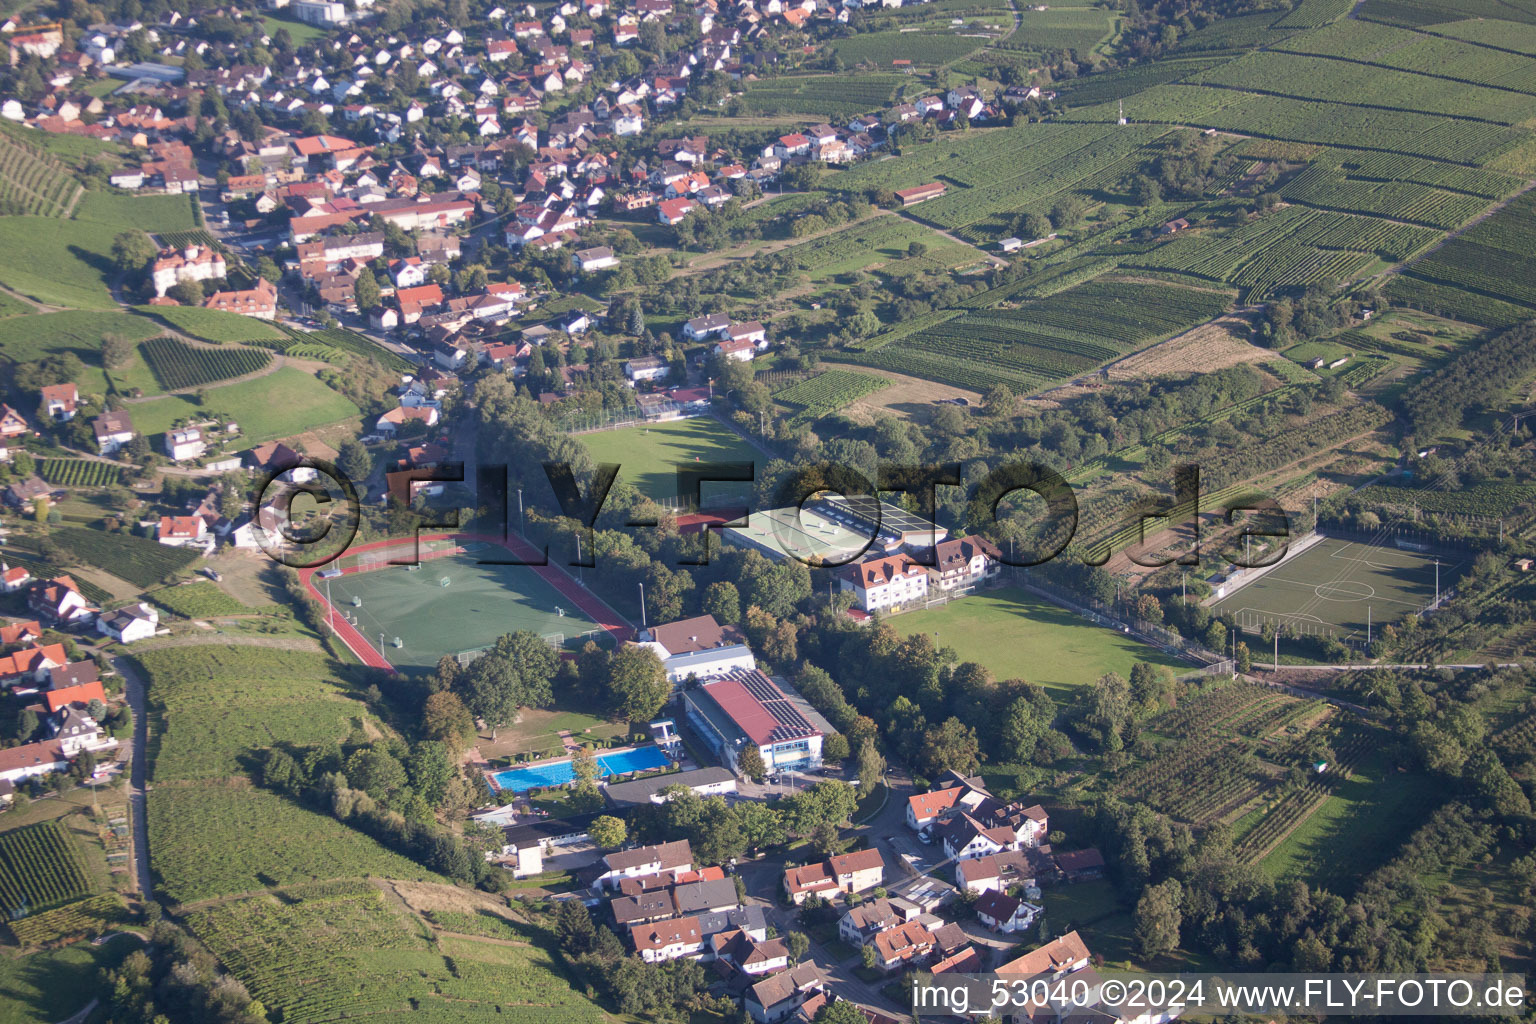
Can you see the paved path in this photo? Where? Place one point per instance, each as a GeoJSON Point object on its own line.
{"type": "Point", "coordinates": [136, 693]}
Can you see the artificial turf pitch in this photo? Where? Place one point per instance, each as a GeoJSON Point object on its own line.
{"type": "Point", "coordinates": [478, 604]}
{"type": "Point", "coordinates": [1339, 587]}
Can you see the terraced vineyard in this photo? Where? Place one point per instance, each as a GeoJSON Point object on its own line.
{"type": "Point", "coordinates": [39, 868]}
{"type": "Point", "coordinates": [31, 181]}
{"type": "Point", "coordinates": [176, 364]}
{"type": "Point", "coordinates": [79, 472]}
{"type": "Point", "coordinates": [341, 341]}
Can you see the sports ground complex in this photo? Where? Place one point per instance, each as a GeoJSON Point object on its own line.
{"type": "Point", "coordinates": [1340, 588]}
{"type": "Point", "coordinates": [454, 600]}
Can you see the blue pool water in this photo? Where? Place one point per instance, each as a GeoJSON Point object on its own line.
{"type": "Point", "coordinates": [558, 773]}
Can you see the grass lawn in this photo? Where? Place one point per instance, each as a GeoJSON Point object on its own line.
{"type": "Point", "coordinates": [31, 338]}
{"type": "Point", "coordinates": [649, 456]}
{"type": "Point", "coordinates": [1356, 829]}
{"type": "Point", "coordinates": [56, 984]}
{"type": "Point", "coordinates": [1019, 636]}
{"type": "Point", "coordinates": [299, 31]}
{"type": "Point", "coordinates": [214, 325]}
{"type": "Point", "coordinates": [280, 404]}
{"type": "Point", "coordinates": [539, 730]}
{"type": "Point", "coordinates": [60, 262]}
{"type": "Point", "coordinates": [148, 213]}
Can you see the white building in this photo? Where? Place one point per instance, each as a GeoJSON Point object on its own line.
{"type": "Point", "coordinates": [194, 263]}
{"type": "Point", "coordinates": [126, 625]}
{"type": "Point", "coordinates": [889, 582]}
{"type": "Point", "coordinates": [185, 444]}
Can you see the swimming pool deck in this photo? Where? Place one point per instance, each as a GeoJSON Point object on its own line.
{"type": "Point", "coordinates": [601, 755]}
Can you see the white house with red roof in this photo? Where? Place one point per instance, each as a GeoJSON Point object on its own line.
{"type": "Point", "coordinates": [670, 211]}
{"type": "Point", "coordinates": [184, 532]}
{"type": "Point", "coordinates": [12, 423]}
{"type": "Point", "coordinates": [60, 401]}
{"type": "Point", "coordinates": [58, 600]}
{"type": "Point", "coordinates": [742, 350]}
{"type": "Point", "coordinates": [13, 578]}
{"type": "Point", "coordinates": [888, 582]}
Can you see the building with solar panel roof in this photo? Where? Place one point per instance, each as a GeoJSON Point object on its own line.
{"type": "Point", "coordinates": [747, 707]}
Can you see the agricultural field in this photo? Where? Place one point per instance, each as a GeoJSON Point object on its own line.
{"type": "Point", "coordinates": [1485, 499]}
{"type": "Point", "coordinates": [44, 570]}
{"type": "Point", "coordinates": [882, 241]}
{"type": "Point", "coordinates": [210, 839]}
{"type": "Point", "coordinates": [1213, 753]}
{"type": "Point", "coordinates": [197, 601]}
{"type": "Point", "coordinates": [279, 404]}
{"type": "Point", "coordinates": [1048, 340]}
{"type": "Point", "coordinates": [319, 952]}
{"type": "Point", "coordinates": [1113, 85]}
{"type": "Point", "coordinates": [1492, 259]}
{"type": "Point", "coordinates": [32, 181]}
{"type": "Point", "coordinates": [826, 393]}
{"type": "Point", "coordinates": [649, 456]}
{"type": "Point", "coordinates": [1319, 121]}
{"type": "Point", "coordinates": [1005, 630]}
{"type": "Point", "coordinates": [846, 95]}
{"type": "Point", "coordinates": [1079, 29]}
{"type": "Point", "coordinates": [1288, 247]}
{"type": "Point", "coordinates": [139, 560]}
{"type": "Point", "coordinates": [58, 262]}
{"type": "Point", "coordinates": [996, 174]}
{"type": "Point", "coordinates": [1412, 51]}
{"type": "Point", "coordinates": [83, 918]}
{"type": "Point", "coordinates": [920, 47]}
{"type": "Point", "coordinates": [1429, 12]}
{"type": "Point", "coordinates": [212, 706]}
{"type": "Point", "coordinates": [40, 868]}
{"type": "Point", "coordinates": [72, 473]}
{"type": "Point", "coordinates": [177, 365]}
{"type": "Point", "coordinates": [214, 325]}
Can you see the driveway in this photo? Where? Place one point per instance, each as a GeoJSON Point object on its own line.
{"type": "Point", "coordinates": [135, 690]}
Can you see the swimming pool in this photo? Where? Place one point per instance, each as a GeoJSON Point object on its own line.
{"type": "Point", "coordinates": [558, 773]}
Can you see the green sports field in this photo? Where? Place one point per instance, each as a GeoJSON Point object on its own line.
{"type": "Point", "coordinates": [1019, 636]}
{"type": "Point", "coordinates": [479, 604]}
{"type": "Point", "coordinates": [648, 456]}
{"type": "Point", "coordinates": [1338, 587]}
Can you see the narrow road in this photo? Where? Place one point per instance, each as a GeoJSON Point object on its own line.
{"type": "Point", "coordinates": [139, 773]}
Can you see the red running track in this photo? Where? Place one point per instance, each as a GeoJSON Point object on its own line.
{"type": "Point", "coordinates": [594, 607]}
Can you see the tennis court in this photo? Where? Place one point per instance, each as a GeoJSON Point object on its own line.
{"type": "Point", "coordinates": [1337, 587]}
{"type": "Point", "coordinates": [449, 604]}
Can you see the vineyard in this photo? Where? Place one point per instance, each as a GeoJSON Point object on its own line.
{"type": "Point", "coordinates": [1311, 13]}
{"type": "Point", "coordinates": [921, 48]}
{"type": "Point", "coordinates": [1111, 85]}
{"type": "Point", "coordinates": [1488, 499]}
{"type": "Point", "coordinates": [197, 600]}
{"type": "Point", "coordinates": [1430, 12]}
{"type": "Point", "coordinates": [1335, 188]}
{"type": "Point", "coordinates": [39, 869]}
{"type": "Point", "coordinates": [826, 393]}
{"type": "Point", "coordinates": [1047, 340]}
{"type": "Point", "coordinates": [88, 917]}
{"type": "Point", "coordinates": [183, 239]}
{"type": "Point", "coordinates": [177, 365]}
{"type": "Point", "coordinates": [1291, 246]}
{"type": "Point", "coordinates": [138, 560]}
{"type": "Point", "coordinates": [340, 950]}
{"type": "Point", "coordinates": [1406, 50]}
{"type": "Point", "coordinates": [1492, 259]}
{"type": "Point", "coordinates": [824, 95]}
{"type": "Point", "coordinates": [1213, 766]}
{"type": "Point", "coordinates": [1301, 77]}
{"type": "Point", "coordinates": [341, 343]}
{"type": "Point", "coordinates": [211, 839]}
{"type": "Point", "coordinates": [32, 182]}
{"type": "Point", "coordinates": [1296, 119]}
{"type": "Point", "coordinates": [1060, 28]}
{"type": "Point", "coordinates": [79, 473]}
{"type": "Point", "coordinates": [1415, 292]}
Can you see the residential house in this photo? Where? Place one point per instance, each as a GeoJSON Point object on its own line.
{"type": "Point", "coordinates": [1003, 871]}
{"type": "Point", "coordinates": [396, 418]}
{"type": "Point", "coordinates": [748, 955]}
{"type": "Point", "coordinates": [963, 562]}
{"type": "Point", "coordinates": [809, 880]}
{"type": "Point", "coordinates": [904, 945]}
{"type": "Point", "coordinates": [595, 259]}
{"type": "Point", "coordinates": [859, 871]}
{"type": "Point", "coordinates": [862, 923]}
{"type": "Point", "coordinates": [1056, 959]}
{"type": "Point", "coordinates": [135, 622]}
{"type": "Point", "coordinates": [1004, 913]}
{"type": "Point", "coordinates": [58, 600]}
{"type": "Point", "coordinates": [113, 430]}
{"type": "Point", "coordinates": [21, 494]}
{"type": "Point", "coordinates": [659, 941]}
{"type": "Point", "coordinates": [710, 325]}
{"type": "Point", "coordinates": [59, 401]}
{"type": "Point", "coordinates": [646, 368]}
{"type": "Point", "coordinates": [670, 857]}
{"type": "Point", "coordinates": [670, 211]}
{"type": "Point", "coordinates": [74, 683]}
{"type": "Point", "coordinates": [1081, 865]}
{"type": "Point", "coordinates": [259, 302]}
{"type": "Point", "coordinates": [775, 998]}
{"type": "Point", "coordinates": [184, 532]}
{"type": "Point", "coordinates": [741, 351]}
{"type": "Point", "coordinates": [12, 423]}
{"type": "Point", "coordinates": [12, 579]}
{"type": "Point", "coordinates": [186, 443]}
